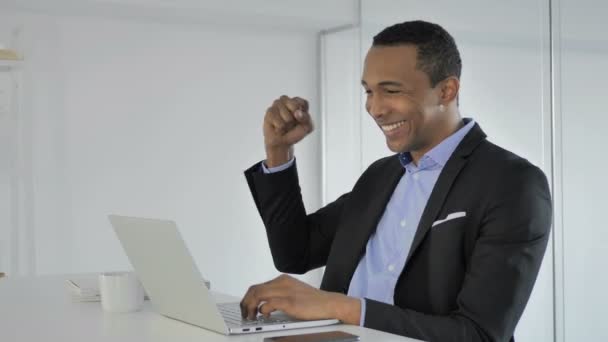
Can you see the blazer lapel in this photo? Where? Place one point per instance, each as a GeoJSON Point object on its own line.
{"type": "Point", "coordinates": [444, 183]}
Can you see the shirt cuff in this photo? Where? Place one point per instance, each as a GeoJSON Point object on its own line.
{"type": "Point", "coordinates": [362, 319]}
{"type": "Point", "coordinates": [277, 168]}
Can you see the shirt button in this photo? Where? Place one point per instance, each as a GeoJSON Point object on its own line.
{"type": "Point", "coordinates": [402, 223]}
{"type": "Point", "coordinates": [391, 268]}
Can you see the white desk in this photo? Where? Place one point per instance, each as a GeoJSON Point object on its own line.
{"type": "Point", "coordinates": [40, 309]}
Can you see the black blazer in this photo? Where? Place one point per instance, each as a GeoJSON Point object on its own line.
{"type": "Point", "coordinates": [467, 279]}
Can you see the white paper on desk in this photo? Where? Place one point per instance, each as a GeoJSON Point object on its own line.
{"type": "Point", "coordinates": [86, 288]}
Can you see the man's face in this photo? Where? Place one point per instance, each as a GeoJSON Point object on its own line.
{"type": "Point", "coordinates": [400, 98]}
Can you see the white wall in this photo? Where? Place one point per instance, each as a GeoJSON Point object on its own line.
{"type": "Point", "coordinates": [582, 76]}
{"type": "Point", "coordinates": [341, 129]}
{"type": "Point", "coordinates": [6, 132]}
{"type": "Point", "coordinates": [155, 120]}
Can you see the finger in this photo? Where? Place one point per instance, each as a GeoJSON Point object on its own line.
{"type": "Point", "coordinates": [273, 117]}
{"type": "Point", "coordinates": [302, 104]}
{"type": "Point", "coordinates": [304, 128]}
{"type": "Point", "coordinates": [244, 301]}
{"type": "Point", "coordinates": [249, 303]}
{"type": "Point", "coordinates": [303, 117]}
{"type": "Point", "coordinates": [294, 104]}
{"type": "Point", "coordinates": [274, 304]}
{"type": "Point", "coordinates": [287, 115]}
{"type": "Point", "coordinates": [289, 103]}
{"type": "Point", "coordinates": [257, 294]}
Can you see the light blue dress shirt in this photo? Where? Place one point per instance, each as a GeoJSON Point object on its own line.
{"type": "Point", "coordinates": [387, 249]}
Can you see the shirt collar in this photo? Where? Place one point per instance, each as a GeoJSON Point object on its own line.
{"type": "Point", "coordinates": [443, 151]}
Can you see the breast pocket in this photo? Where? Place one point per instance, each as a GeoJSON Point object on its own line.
{"type": "Point", "coordinates": [459, 215]}
{"type": "Point", "coordinates": [447, 234]}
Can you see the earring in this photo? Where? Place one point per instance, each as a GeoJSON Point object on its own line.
{"type": "Point", "coordinates": [441, 108]}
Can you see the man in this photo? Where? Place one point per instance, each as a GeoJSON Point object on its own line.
{"type": "Point", "coordinates": [441, 242]}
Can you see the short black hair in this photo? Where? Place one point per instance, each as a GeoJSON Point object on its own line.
{"type": "Point", "coordinates": [437, 54]}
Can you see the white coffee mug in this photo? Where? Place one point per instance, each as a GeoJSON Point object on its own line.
{"type": "Point", "coordinates": [120, 292]}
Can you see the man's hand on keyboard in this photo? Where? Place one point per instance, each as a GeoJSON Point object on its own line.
{"type": "Point", "coordinates": [299, 300]}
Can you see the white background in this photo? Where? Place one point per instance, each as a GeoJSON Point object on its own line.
{"type": "Point", "coordinates": [584, 69]}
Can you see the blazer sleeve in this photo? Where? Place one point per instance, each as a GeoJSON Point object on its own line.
{"type": "Point", "coordinates": [298, 242]}
{"type": "Point", "coordinates": [500, 274]}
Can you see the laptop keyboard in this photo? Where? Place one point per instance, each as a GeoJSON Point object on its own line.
{"type": "Point", "coordinates": [232, 315]}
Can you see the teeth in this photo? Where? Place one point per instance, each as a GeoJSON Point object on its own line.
{"type": "Point", "coordinates": [391, 127]}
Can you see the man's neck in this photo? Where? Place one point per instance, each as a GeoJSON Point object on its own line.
{"type": "Point", "coordinates": [456, 124]}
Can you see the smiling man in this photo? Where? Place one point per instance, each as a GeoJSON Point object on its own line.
{"type": "Point", "coordinates": [441, 241]}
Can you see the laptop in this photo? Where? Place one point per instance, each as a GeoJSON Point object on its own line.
{"type": "Point", "coordinates": [171, 279]}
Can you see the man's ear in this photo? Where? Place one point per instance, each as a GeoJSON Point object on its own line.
{"type": "Point", "coordinates": [449, 90]}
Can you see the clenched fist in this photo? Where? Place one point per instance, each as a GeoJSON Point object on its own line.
{"type": "Point", "coordinates": [286, 122]}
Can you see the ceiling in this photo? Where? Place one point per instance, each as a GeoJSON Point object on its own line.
{"type": "Point", "coordinates": [313, 15]}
